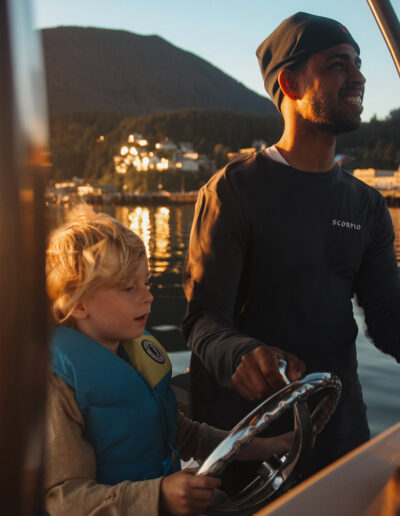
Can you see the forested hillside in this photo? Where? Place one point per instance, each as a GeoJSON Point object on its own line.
{"type": "Point", "coordinates": [78, 151]}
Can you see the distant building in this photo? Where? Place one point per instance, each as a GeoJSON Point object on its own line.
{"type": "Point", "coordinates": [166, 145]}
{"type": "Point", "coordinates": [242, 152]}
{"type": "Point", "coordinates": [186, 147]}
{"type": "Point", "coordinates": [379, 179]}
{"type": "Point", "coordinates": [166, 155]}
{"type": "Point", "coordinates": [188, 165]}
{"type": "Point", "coordinates": [65, 185]}
{"type": "Point", "coordinates": [367, 175]}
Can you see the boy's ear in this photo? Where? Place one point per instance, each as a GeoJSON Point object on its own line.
{"type": "Point", "coordinates": [80, 311]}
{"type": "Point", "coordinates": [288, 83]}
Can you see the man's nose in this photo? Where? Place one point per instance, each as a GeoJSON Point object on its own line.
{"type": "Point", "coordinates": [357, 77]}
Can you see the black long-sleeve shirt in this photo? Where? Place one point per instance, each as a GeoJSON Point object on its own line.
{"type": "Point", "coordinates": [275, 257]}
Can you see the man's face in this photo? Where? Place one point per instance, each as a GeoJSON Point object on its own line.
{"type": "Point", "coordinates": [331, 89]}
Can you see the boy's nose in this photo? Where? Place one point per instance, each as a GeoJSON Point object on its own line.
{"type": "Point", "coordinates": [149, 298]}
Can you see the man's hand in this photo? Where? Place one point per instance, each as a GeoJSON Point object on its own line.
{"type": "Point", "coordinates": [257, 376]}
{"type": "Point", "coordinates": [263, 447]}
{"type": "Point", "coordinates": [183, 493]}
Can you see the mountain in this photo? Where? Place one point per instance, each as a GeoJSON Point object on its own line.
{"type": "Point", "coordinates": [114, 71]}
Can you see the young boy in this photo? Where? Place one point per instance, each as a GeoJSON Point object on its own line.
{"type": "Point", "coordinates": [113, 425]}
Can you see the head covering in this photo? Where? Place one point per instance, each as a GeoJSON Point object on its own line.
{"type": "Point", "coordinates": [295, 40]}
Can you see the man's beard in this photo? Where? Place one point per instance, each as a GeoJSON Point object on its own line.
{"type": "Point", "coordinates": [328, 117]}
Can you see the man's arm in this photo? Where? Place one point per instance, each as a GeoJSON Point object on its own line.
{"type": "Point", "coordinates": [215, 275]}
{"type": "Point", "coordinates": [378, 286]}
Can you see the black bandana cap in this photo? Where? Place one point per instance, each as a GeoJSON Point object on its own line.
{"type": "Point", "coordinates": [295, 40]}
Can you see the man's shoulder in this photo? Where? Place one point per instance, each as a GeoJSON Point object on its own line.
{"type": "Point", "coordinates": [239, 172]}
{"type": "Point", "coordinates": [360, 187]}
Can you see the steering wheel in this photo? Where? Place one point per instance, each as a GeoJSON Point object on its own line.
{"type": "Point", "coordinates": [277, 472]}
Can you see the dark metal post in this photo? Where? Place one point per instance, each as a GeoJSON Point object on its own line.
{"type": "Point", "coordinates": [389, 25]}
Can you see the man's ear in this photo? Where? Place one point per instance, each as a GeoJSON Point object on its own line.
{"type": "Point", "coordinates": [288, 83]}
{"type": "Point", "coordinates": [79, 311]}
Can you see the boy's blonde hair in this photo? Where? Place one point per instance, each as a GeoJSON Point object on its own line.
{"type": "Point", "coordinates": [89, 251]}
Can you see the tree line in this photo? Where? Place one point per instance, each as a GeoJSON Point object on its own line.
{"type": "Point", "coordinates": [83, 145]}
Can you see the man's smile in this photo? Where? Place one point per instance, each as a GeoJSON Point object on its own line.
{"type": "Point", "coordinates": [354, 97]}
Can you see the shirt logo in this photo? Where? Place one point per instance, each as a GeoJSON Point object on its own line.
{"type": "Point", "coordinates": [153, 351]}
{"type": "Point", "coordinates": [345, 224]}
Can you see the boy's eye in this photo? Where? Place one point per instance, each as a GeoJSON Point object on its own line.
{"type": "Point", "coordinates": [148, 284]}
{"type": "Point", "coordinates": [128, 289]}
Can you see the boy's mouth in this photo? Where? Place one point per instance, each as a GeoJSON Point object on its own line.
{"type": "Point", "coordinates": [142, 318]}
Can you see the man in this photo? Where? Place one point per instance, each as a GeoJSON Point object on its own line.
{"type": "Point", "coordinates": [284, 238]}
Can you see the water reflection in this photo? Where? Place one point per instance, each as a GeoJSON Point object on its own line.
{"type": "Point", "coordinates": [165, 233]}
{"type": "Point", "coordinates": [162, 239]}
{"type": "Point", "coordinates": [153, 225]}
{"type": "Point", "coordinates": [139, 222]}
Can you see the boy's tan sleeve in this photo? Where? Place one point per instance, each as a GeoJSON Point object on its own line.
{"type": "Point", "coordinates": [196, 439]}
{"type": "Point", "coordinates": [70, 484]}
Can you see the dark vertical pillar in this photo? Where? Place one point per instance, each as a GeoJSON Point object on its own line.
{"type": "Point", "coordinates": [23, 321]}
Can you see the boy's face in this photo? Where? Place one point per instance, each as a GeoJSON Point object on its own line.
{"type": "Point", "coordinates": [112, 314]}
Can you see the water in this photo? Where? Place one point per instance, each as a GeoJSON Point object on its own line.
{"type": "Point", "coordinates": [165, 231]}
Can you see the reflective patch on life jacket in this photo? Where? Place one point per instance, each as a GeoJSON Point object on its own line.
{"type": "Point", "coordinates": [148, 357]}
{"type": "Point", "coordinates": [153, 351]}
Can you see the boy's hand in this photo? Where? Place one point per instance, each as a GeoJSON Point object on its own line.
{"type": "Point", "coordinates": [263, 447]}
{"type": "Point", "coordinates": [257, 375]}
{"type": "Point", "coordinates": [183, 493]}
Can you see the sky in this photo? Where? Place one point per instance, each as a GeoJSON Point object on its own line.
{"type": "Point", "coordinates": [227, 32]}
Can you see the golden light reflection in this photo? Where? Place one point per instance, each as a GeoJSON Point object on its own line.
{"type": "Point", "coordinates": [145, 163]}
{"type": "Point", "coordinates": [163, 164]}
{"type": "Point", "coordinates": [139, 222]}
{"type": "Point", "coordinates": [161, 239]}
{"type": "Point", "coordinates": [180, 244]}
{"type": "Point", "coordinates": [122, 214]}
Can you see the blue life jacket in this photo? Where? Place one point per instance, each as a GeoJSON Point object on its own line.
{"type": "Point", "coordinates": [128, 405]}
